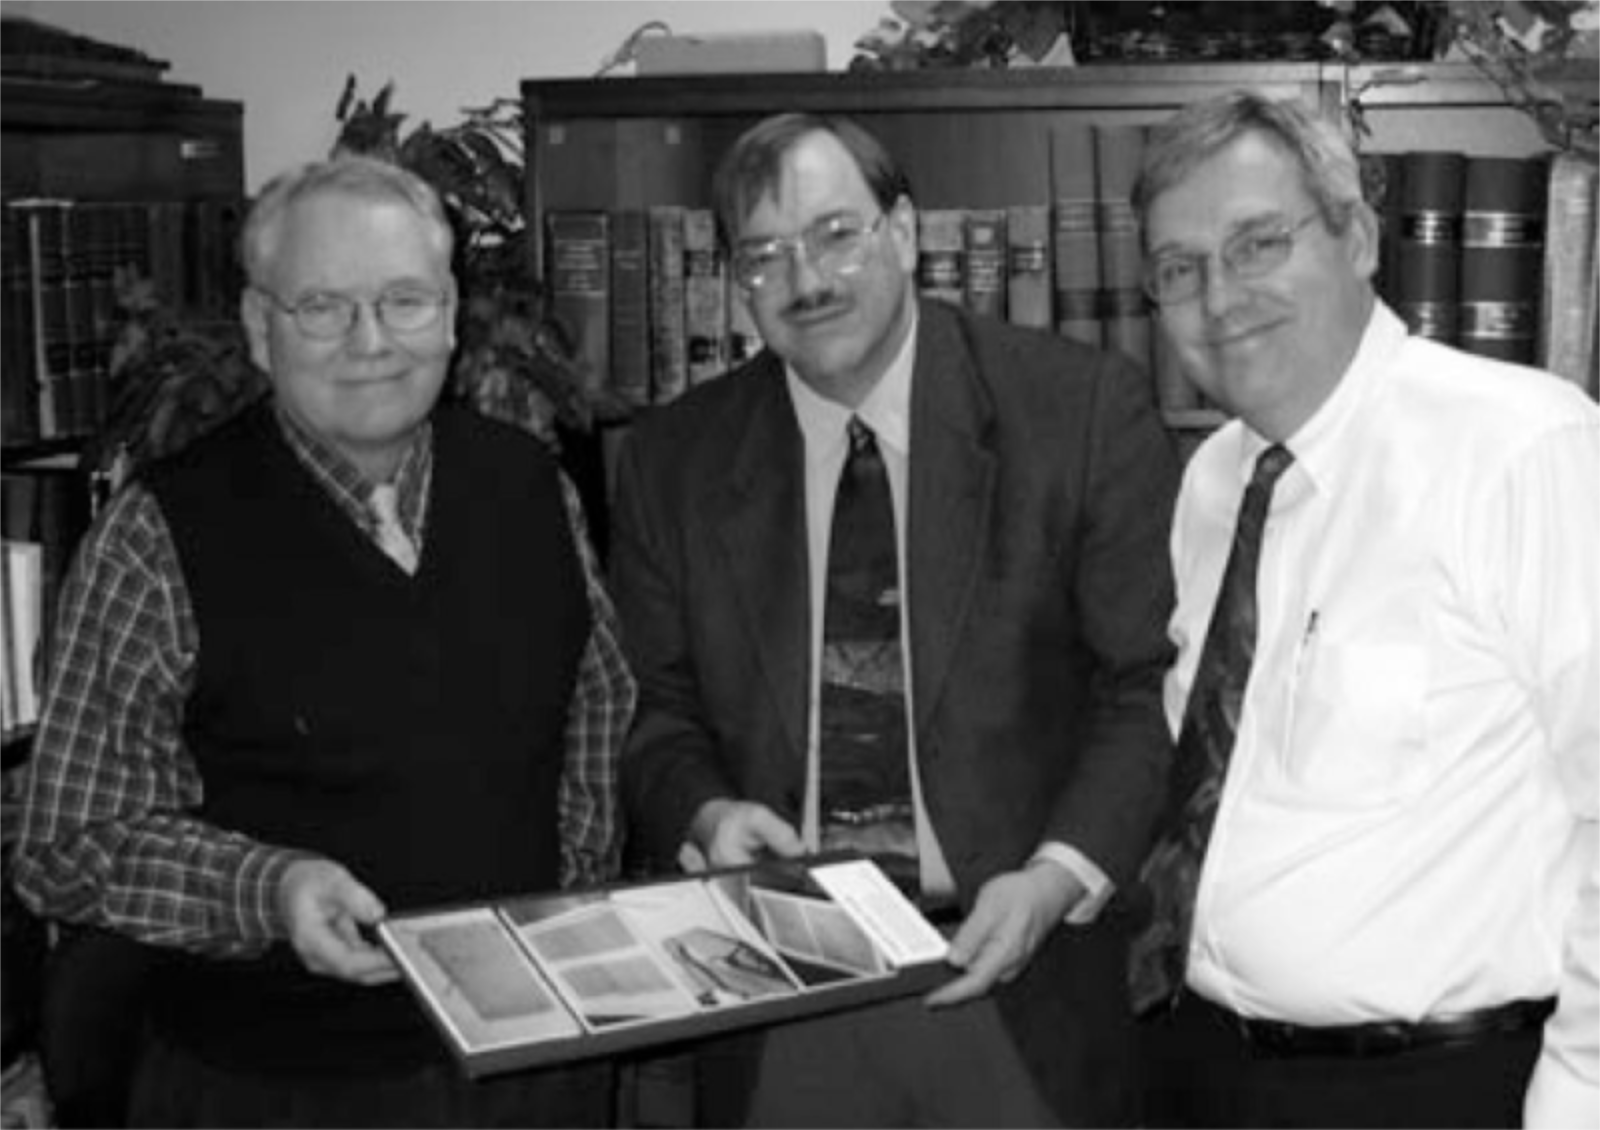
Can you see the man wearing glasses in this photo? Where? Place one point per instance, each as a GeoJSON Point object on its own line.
{"type": "Point", "coordinates": [899, 585]}
{"type": "Point", "coordinates": [1375, 894]}
{"type": "Point", "coordinates": [345, 655]}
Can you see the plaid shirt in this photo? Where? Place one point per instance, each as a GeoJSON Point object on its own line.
{"type": "Point", "coordinates": [107, 835]}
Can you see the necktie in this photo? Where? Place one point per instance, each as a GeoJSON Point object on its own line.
{"type": "Point", "coordinates": [1171, 873]}
{"type": "Point", "coordinates": [865, 789]}
{"type": "Point", "coordinates": [392, 538]}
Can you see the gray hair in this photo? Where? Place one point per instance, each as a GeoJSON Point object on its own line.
{"type": "Point", "coordinates": [364, 178]}
{"type": "Point", "coordinates": [1328, 167]}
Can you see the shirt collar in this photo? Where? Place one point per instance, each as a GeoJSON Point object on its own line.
{"type": "Point", "coordinates": [886, 410]}
{"type": "Point", "coordinates": [1320, 446]}
{"type": "Point", "coordinates": [339, 477]}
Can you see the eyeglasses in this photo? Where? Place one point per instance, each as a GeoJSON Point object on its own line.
{"type": "Point", "coordinates": [325, 315]}
{"type": "Point", "coordinates": [1249, 254]}
{"type": "Point", "coordinates": [834, 245]}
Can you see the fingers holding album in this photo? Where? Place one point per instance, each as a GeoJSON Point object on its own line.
{"type": "Point", "coordinates": [323, 909]}
{"type": "Point", "coordinates": [732, 833]}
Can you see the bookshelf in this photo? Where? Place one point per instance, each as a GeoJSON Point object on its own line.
{"type": "Point", "coordinates": [103, 167]}
{"type": "Point", "coordinates": [981, 139]}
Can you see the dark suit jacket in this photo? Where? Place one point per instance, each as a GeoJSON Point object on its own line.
{"type": "Point", "coordinates": [1041, 486]}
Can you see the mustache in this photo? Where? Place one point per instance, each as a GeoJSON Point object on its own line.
{"type": "Point", "coordinates": [814, 301]}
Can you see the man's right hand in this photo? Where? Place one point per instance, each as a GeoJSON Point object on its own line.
{"type": "Point", "coordinates": [323, 907]}
{"type": "Point", "coordinates": [732, 833]}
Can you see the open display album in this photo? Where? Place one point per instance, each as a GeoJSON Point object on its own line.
{"type": "Point", "coordinates": [547, 978]}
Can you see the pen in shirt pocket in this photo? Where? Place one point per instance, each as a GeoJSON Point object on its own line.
{"type": "Point", "coordinates": [1298, 670]}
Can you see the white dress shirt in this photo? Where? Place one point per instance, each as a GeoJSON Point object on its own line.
{"type": "Point", "coordinates": [887, 411]}
{"type": "Point", "coordinates": [1408, 826]}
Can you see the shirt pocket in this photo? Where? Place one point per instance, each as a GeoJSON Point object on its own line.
{"type": "Point", "coordinates": [1358, 721]}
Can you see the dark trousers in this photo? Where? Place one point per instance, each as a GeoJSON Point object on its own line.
{"type": "Point", "coordinates": [897, 1064]}
{"type": "Point", "coordinates": [1199, 1071]}
{"type": "Point", "coordinates": [173, 1087]}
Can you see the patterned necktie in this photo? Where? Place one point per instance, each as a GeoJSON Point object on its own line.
{"type": "Point", "coordinates": [865, 787]}
{"type": "Point", "coordinates": [1172, 872]}
{"type": "Point", "coordinates": [392, 538]}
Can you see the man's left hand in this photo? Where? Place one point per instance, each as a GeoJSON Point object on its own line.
{"type": "Point", "coordinates": [1013, 914]}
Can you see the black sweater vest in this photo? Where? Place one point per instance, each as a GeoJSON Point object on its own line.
{"type": "Point", "coordinates": [408, 727]}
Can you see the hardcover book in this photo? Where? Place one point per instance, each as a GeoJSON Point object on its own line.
{"type": "Point", "coordinates": [1502, 256]}
{"type": "Point", "coordinates": [1028, 282]}
{"type": "Point", "coordinates": [545, 979]}
{"type": "Point", "coordinates": [1077, 236]}
{"type": "Point", "coordinates": [984, 237]}
{"type": "Point", "coordinates": [744, 338]}
{"type": "Point", "coordinates": [669, 339]}
{"type": "Point", "coordinates": [705, 296]}
{"type": "Point", "coordinates": [1427, 279]}
{"type": "Point", "coordinates": [1567, 323]}
{"type": "Point", "coordinates": [1118, 152]}
{"type": "Point", "coordinates": [941, 248]}
{"type": "Point", "coordinates": [579, 246]}
{"type": "Point", "coordinates": [630, 307]}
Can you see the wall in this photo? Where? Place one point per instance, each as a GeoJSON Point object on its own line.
{"type": "Point", "coordinates": [287, 61]}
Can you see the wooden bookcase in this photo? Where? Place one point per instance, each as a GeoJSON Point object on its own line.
{"type": "Point", "coordinates": [92, 140]}
{"type": "Point", "coordinates": [969, 139]}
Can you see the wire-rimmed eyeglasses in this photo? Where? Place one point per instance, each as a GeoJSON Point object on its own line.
{"type": "Point", "coordinates": [834, 245]}
{"type": "Point", "coordinates": [1249, 254]}
{"type": "Point", "coordinates": [326, 315]}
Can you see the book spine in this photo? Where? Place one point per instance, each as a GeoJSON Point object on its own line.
{"type": "Point", "coordinates": [1571, 309]}
{"type": "Point", "coordinates": [630, 307]}
{"type": "Point", "coordinates": [1028, 263]}
{"type": "Point", "coordinates": [744, 338]}
{"type": "Point", "coordinates": [705, 296]}
{"type": "Point", "coordinates": [1502, 256]}
{"type": "Point", "coordinates": [1118, 151]}
{"type": "Point", "coordinates": [164, 224]}
{"type": "Point", "coordinates": [52, 348]}
{"type": "Point", "coordinates": [19, 388]}
{"type": "Point", "coordinates": [1427, 284]}
{"type": "Point", "coordinates": [984, 241]}
{"type": "Point", "coordinates": [1380, 187]}
{"type": "Point", "coordinates": [78, 299]}
{"type": "Point", "coordinates": [669, 345]}
{"type": "Point", "coordinates": [103, 234]}
{"type": "Point", "coordinates": [941, 244]}
{"type": "Point", "coordinates": [211, 228]}
{"type": "Point", "coordinates": [1077, 237]}
{"type": "Point", "coordinates": [578, 245]}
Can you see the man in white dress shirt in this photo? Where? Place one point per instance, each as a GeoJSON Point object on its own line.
{"type": "Point", "coordinates": [1397, 920]}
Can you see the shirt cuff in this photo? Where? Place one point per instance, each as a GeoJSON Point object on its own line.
{"type": "Point", "coordinates": [1097, 883]}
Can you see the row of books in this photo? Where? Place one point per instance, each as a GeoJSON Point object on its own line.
{"type": "Point", "coordinates": [1495, 255]}
{"type": "Point", "coordinates": [645, 296]}
{"type": "Point", "coordinates": [1466, 260]}
{"type": "Point", "coordinates": [66, 268]}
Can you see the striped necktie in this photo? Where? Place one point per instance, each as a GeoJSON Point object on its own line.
{"type": "Point", "coordinates": [1171, 873]}
{"type": "Point", "coordinates": [865, 783]}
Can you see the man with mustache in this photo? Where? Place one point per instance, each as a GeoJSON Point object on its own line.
{"type": "Point", "coordinates": [982, 716]}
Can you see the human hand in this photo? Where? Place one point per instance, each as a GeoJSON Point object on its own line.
{"type": "Point", "coordinates": [1013, 914]}
{"type": "Point", "coordinates": [323, 908]}
{"type": "Point", "coordinates": [732, 833]}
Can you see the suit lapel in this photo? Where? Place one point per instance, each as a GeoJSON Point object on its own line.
{"type": "Point", "coordinates": [760, 523]}
{"type": "Point", "coordinates": [952, 485]}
